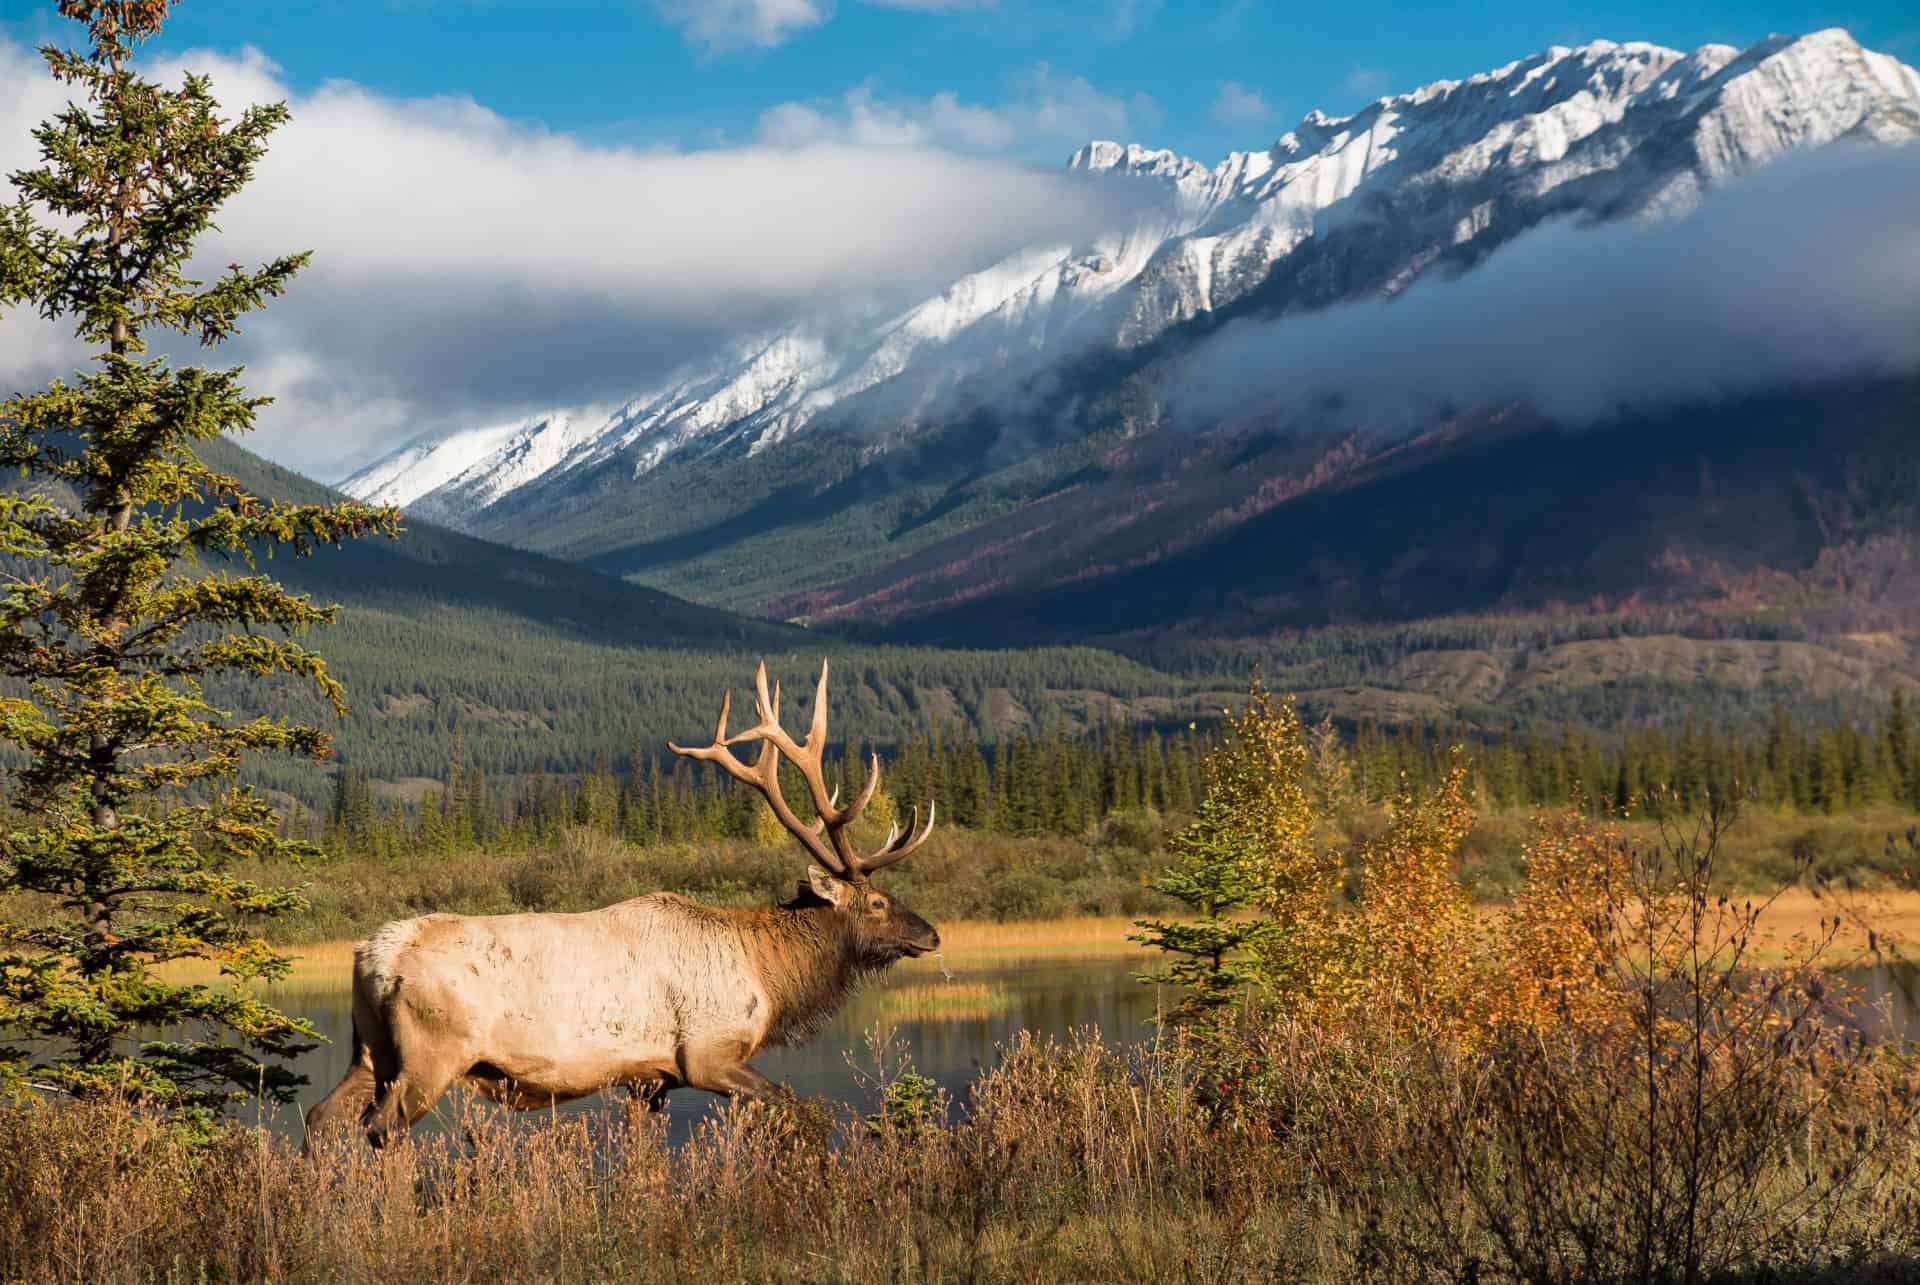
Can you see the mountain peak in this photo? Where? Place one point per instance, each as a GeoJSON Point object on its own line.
{"type": "Point", "coordinates": [1339, 208]}
{"type": "Point", "coordinates": [1104, 156]}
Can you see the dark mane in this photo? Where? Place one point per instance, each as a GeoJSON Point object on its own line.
{"type": "Point", "coordinates": [804, 898]}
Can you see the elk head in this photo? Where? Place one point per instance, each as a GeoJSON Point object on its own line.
{"type": "Point", "coordinates": [881, 928]}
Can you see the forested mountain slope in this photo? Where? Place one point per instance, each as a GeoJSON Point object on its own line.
{"type": "Point", "coordinates": [519, 664]}
{"type": "Point", "coordinates": [1010, 432]}
{"type": "Point", "coordinates": [431, 571]}
{"type": "Point", "coordinates": [1806, 504]}
{"type": "Point", "coordinates": [451, 647]}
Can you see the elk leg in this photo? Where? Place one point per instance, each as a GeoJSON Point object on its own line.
{"type": "Point", "coordinates": [374, 1063]}
{"type": "Point", "coordinates": [422, 1074]}
{"type": "Point", "coordinates": [410, 1096]}
{"type": "Point", "coordinates": [719, 1068]}
{"type": "Point", "coordinates": [650, 1091]}
{"type": "Point", "coordinates": [348, 1101]}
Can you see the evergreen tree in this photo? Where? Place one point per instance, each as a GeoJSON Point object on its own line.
{"type": "Point", "coordinates": [1214, 860]}
{"type": "Point", "coordinates": [110, 623]}
{"type": "Point", "coordinates": [1900, 753]}
{"type": "Point", "coordinates": [1827, 783]}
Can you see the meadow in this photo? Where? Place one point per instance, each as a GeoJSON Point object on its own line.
{"type": "Point", "coordinates": [976, 878]}
{"type": "Point", "coordinates": [1358, 1156]}
{"type": "Point", "coordinates": [1520, 1048]}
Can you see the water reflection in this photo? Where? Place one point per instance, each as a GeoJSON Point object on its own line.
{"type": "Point", "coordinates": [1051, 999]}
{"type": "Point", "coordinates": [951, 1047]}
{"type": "Point", "coordinates": [1892, 995]}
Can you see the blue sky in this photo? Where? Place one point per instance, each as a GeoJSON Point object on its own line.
{"type": "Point", "coordinates": [517, 206]}
{"type": "Point", "coordinates": [1200, 76]}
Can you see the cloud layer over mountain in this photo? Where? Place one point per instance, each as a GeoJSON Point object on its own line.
{"type": "Point", "coordinates": [1808, 271]}
{"type": "Point", "coordinates": [468, 266]}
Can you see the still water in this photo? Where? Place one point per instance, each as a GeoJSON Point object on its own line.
{"type": "Point", "coordinates": [947, 1027]}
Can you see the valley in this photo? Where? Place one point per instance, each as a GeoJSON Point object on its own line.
{"type": "Point", "coordinates": [858, 703]}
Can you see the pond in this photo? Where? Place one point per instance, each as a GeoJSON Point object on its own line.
{"type": "Point", "coordinates": [948, 1027]}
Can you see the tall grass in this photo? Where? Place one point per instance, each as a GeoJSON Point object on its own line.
{"type": "Point", "coordinates": [1626, 1086]}
{"type": "Point", "coordinates": [1074, 1160]}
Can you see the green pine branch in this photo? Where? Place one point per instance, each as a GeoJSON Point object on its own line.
{"type": "Point", "coordinates": [132, 578]}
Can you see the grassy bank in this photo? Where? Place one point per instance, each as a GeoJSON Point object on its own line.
{"type": "Point", "coordinates": [1002, 899]}
{"type": "Point", "coordinates": [958, 876]}
{"type": "Point", "coordinates": [966, 944]}
{"type": "Point", "coordinates": [1357, 1157]}
{"type": "Point", "coordinates": [985, 877]}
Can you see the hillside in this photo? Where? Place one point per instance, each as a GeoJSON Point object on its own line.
{"type": "Point", "coordinates": [521, 664]}
{"type": "Point", "coordinates": [1805, 504]}
{"type": "Point", "coordinates": [448, 644]}
{"type": "Point", "coordinates": [1011, 432]}
{"type": "Point", "coordinates": [432, 570]}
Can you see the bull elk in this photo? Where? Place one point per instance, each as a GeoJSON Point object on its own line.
{"type": "Point", "coordinates": [648, 995]}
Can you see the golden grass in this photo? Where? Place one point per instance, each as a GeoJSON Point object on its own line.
{"type": "Point", "coordinates": [976, 941]}
{"type": "Point", "coordinates": [965, 943]}
{"type": "Point", "coordinates": [1352, 1155]}
{"type": "Point", "coordinates": [317, 966]}
{"type": "Point", "coordinates": [954, 1001]}
{"type": "Point", "coordinates": [1798, 918]}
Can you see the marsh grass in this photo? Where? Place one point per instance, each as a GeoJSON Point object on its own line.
{"type": "Point", "coordinates": [1070, 1160]}
{"type": "Point", "coordinates": [965, 944]}
{"type": "Point", "coordinates": [955, 1001]}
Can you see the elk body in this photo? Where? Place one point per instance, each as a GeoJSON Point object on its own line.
{"type": "Point", "coordinates": [648, 995]}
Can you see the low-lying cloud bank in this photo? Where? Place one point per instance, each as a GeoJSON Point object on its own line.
{"type": "Point", "coordinates": [469, 267]}
{"type": "Point", "coordinates": [1808, 271]}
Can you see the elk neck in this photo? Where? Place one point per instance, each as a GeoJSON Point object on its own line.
{"type": "Point", "coordinates": [810, 959]}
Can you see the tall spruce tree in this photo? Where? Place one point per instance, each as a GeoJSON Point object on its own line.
{"type": "Point", "coordinates": [129, 583]}
{"type": "Point", "coordinates": [1211, 956]}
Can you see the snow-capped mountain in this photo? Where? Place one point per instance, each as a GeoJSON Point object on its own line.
{"type": "Point", "coordinates": [1338, 208]}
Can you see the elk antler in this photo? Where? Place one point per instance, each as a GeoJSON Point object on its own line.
{"type": "Point", "coordinates": [763, 776]}
{"type": "Point", "coordinates": [826, 839]}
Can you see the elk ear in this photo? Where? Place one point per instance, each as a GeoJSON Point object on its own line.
{"type": "Point", "coordinates": [829, 887]}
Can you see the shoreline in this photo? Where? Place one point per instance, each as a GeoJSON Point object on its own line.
{"type": "Point", "coordinates": [964, 943]}
{"type": "Point", "coordinates": [1790, 924]}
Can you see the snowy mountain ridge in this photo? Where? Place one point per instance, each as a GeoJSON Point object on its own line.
{"type": "Point", "coordinates": [1340, 207]}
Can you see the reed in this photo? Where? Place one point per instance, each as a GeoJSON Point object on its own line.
{"type": "Point", "coordinates": [954, 1001]}
{"type": "Point", "coordinates": [1361, 1157]}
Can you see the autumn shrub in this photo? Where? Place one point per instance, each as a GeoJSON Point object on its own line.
{"type": "Point", "coordinates": [1602, 1080]}
{"type": "Point", "coordinates": [1363, 1156]}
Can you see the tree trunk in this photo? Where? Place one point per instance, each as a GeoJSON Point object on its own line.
{"type": "Point", "coordinates": [105, 817]}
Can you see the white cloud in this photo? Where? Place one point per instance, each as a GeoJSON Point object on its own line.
{"type": "Point", "coordinates": [1043, 108]}
{"type": "Point", "coordinates": [720, 26]}
{"type": "Point", "coordinates": [1235, 104]}
{"type": "Point", "coordinates": [466, 266]}
{"type": "Point", "coordinates": [1808, 271]}
{"type": "Point", "coordinates": [1367, 82]}
{"type": "Point", "coordinates": [1128, 16]}
{"type": "Point", "coordinates": [934, 6]}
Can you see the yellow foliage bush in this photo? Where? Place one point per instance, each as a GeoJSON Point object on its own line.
{"type": "Point", "coordinates": [1407, 947]}
{"type": "Point", "coordinates": [1554, 939]}
{"type": "Point", "coordinates": [1418, 953]}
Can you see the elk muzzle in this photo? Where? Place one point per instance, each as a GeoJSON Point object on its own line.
{"type": "Point", "coordinates": [917, 936]}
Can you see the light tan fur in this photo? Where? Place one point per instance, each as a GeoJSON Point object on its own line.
{"type": "Point", "coordinates": [647, 995]}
